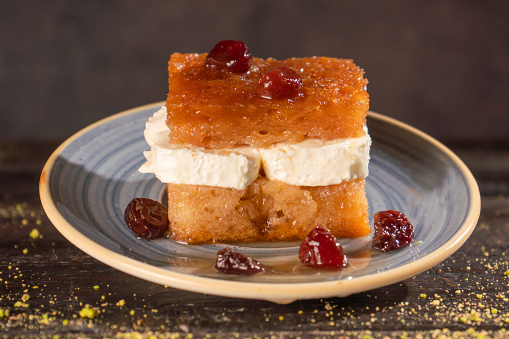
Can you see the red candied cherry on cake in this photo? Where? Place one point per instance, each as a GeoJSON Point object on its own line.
{"type": "Point", "coordinates": [230, 55]}
{"type": "Point", "coordinates": [392, 230]}
{"type": "Point", "coordinates": [147, 218]}
{"type": "Point", "coordinates": [232, 262]}
{"type": "Point", "coordinates": [321, 250]}
{"type": "Point", "coordinates": [280, 83]}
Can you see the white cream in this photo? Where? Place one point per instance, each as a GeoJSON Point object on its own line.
{"type": "Point", "coordinates": [195, 166]}
{"type": "Point", "coordinates": [317, 163]}
{"type": "Point", "coordinates": [309, 163]}
{"type": "Point", "coordinates": [156, 127]}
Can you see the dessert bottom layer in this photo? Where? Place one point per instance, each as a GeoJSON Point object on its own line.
{"type": "Point", "coordinates": [267, 210]}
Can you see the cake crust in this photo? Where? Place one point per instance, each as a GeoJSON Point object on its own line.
{"type": "Point", "coordinates": [214, 109]}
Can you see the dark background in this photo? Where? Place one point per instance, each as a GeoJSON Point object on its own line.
{"type": "Point", "coordinates": [441, 66]}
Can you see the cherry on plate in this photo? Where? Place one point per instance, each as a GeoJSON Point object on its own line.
{"type": "Point", "coordinates": [392, 230]}
{"type": "Point", "coordinates": [232, 262]}
{"type": "Point", "coordinates": [321, 250]}
{"type": "Point", "coordinates": [147, 218]}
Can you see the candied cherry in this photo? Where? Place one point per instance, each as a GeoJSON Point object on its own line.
{"type": "Point", "coordinates": [147, 218]}
{"type": "Point", "coordinates": [230, 55]}
{"type": "Point", "coordinates": [321, 250]}
{"type": "Point", "coordinates": [232, 262]}
{"type": "Point", "coordinates": [392, 230]}
{"type": "Point", "coordinates": [280, 83]}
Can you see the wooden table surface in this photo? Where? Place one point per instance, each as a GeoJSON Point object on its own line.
{"type": "Point", "coordinates": [46, 283]}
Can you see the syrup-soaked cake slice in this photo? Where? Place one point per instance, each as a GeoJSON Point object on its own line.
{"type": "Point", "coordinates": [215, 104]}
{"type": "Point", "coordinates": [267, 210]}
{"type": "Point", "coordinates": [215, 109]}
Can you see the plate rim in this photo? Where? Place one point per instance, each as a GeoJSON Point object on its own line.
{"type": "Point", "coordinates": [275, 292]}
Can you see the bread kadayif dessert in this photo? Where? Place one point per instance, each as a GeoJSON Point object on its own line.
{"type": "Point", "coordinates": [261, 150]}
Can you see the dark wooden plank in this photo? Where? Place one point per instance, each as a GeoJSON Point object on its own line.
{"type": "Point", "coordinates": [47, 281]}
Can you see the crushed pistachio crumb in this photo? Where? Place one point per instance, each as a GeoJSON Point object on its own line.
{"type": "Point", "coordinates": [20, 303]}
{"type": "Point", "coordinates": [88, 312]}
{"type": "Point", "coordinates": [474, 316]}
{"type": "Point", "coordinates": [35, 234]}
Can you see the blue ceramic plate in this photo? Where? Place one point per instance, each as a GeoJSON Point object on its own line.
{"type": "Point", "coordinates": [89, 180]}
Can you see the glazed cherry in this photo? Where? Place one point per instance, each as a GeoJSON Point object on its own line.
{"type": "Point", "coordinates": [321, 250]}
{"type": "Point", "coordinates": [392, 230]}
{"type": "Point", "coordinates": [230, 55]}
{"type": "Point", "coordinates": [147, 218]}
{"type": "Point", "coordinates": [229, 261]}
{"type": "Point", "coordinates": [280, 83]}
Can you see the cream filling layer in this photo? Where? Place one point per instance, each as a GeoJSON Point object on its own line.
{"type": "Point", "coordinates": [311, 162]}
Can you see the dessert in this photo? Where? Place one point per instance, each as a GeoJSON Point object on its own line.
{"type": "Point", "coordinates": [261, 150]}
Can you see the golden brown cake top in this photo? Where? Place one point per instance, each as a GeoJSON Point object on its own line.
{"type": "Point", "coordinates": [214, 108]}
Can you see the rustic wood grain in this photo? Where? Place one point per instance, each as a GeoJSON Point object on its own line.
{"type": "Point", "coordinates": [46, 282]}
